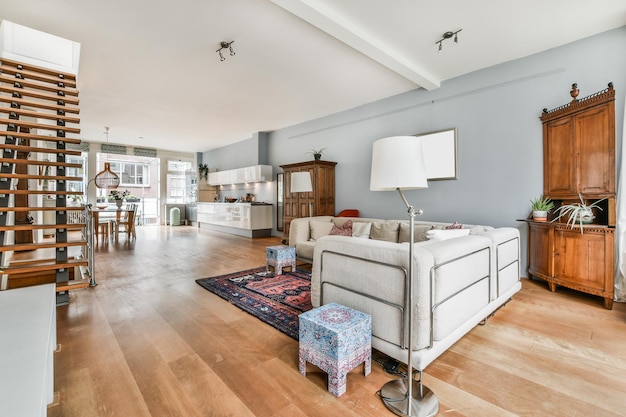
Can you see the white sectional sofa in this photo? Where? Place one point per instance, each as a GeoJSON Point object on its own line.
{"type": "Point", "coordinates": [460, 277]}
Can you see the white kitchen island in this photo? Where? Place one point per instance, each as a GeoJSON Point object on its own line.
{"type": "Point", "coordinates": [243, 219]}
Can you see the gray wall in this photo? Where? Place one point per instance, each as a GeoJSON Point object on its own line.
{"type": "Point", "coordinates": [242, 154]}
{"type": "Point", "coordinates": [496, 112]}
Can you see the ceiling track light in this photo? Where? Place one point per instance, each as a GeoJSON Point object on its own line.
{"type": "Point", "coordinates": [448, 35]}
{"type": "Point", "coordinates": [225, 45]}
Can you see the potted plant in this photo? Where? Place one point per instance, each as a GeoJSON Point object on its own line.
{"type": "Point", "coordinates": [118, 197]}
{"type": "Point", "coordinates": [75, 200]}
{"type": "Point", "coordinates": [317, 153]}
{"type": "Point", "coordinates": [541, 206]}
{"type": "Point", "coordinates": [203, 171]}
{"type": "Point", "coordinates": [578, 213]}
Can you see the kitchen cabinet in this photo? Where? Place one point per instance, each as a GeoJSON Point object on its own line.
{"type": "Point", "coordinates": [257, 173]}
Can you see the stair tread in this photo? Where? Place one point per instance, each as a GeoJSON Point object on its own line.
{"type": "Point", "coordinates": [36, 75]}
{"type": "Point", "coordinates": [40, 104]}
{"type": "Point", "coordinates": [72, 285]}
{"type": "Point", "coordinates": [42, 226]}
{"type": "Point", "coordinates": [21, 209]}
{"type": "Point", "coordinates": [38, 69]}
{"type": "Point", "coordinates": [34, 125]}
{"type": "Point", "coordinates": [22, 148]}
{"type": "Point", "coordinates": [38, 85]}
{"type": "Point", "coordinates": [43, 266]}
{"type": "Point", "coordinates": [45, 245]}
{"type": "Point", "coordinates": [23, 135]}
{"type": "Point", "coordinates": [41, 177]}
{"type": "Point", "coordinates": [42, 96]}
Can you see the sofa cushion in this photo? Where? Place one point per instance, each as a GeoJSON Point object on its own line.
{"type": "Point", "coordinates": [344, 230]}
{"type": "Point", "coordinates": [319, 229]}
{"type": "Point", "coordinates": [419, 230]}
{"type": "Point", "coordinates": [305, 249]}
{"type": "Point", "coordinates": [385, 230]}
{"type": "Point", "coordinates": [446, 234]}
{"type": "Point", "coordinates": [361, 229]}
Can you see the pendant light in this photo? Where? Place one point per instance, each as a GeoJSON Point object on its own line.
{"type": "Point", "coordinates": [107, 178]}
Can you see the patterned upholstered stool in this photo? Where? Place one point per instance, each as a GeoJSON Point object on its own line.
{"type": "Point", "coordinates": [335, 339]}
{"type": "Point", "coordinates": [279, 257]}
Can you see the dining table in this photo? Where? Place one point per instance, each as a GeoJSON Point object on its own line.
{"type": "Point", "coordinates": [113, 214]}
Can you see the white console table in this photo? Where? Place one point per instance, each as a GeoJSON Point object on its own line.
{"type": "Point", "coordinates": [27, 345]}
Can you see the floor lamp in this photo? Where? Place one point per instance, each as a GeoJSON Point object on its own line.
{"type": "Point", "coordinates": [301, 183]}
{"type": "Point", "coordinates": [398, 164]}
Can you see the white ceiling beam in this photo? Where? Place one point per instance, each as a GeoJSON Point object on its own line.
{"type": "Point", "coordinates": [320, 16]}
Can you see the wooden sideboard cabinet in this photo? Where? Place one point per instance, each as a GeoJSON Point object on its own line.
{"type": "Point", "coordinates": [579, 162]}
{"type": "Point", "coordinates": [321, 200]}
{"type": "Point", "coordinates": [580, 261]}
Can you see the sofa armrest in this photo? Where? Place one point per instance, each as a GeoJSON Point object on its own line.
{"type": "Point", "coordinates": [505, 264]}
{"type": "Point", "coordinates": [506, 244]}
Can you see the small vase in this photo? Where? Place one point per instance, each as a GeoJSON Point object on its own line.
{"type": "Point", "coordinates": [317, 156]}
{"type": "Point", "coordinates": [119, 203]}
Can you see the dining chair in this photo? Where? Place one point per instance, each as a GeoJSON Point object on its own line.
{"type": "Point", "coordinates": [126, 221]}
{"type": "Point", "coordinates": [103, 227]}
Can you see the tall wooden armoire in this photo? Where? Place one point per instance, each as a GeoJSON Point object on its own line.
{"type": "Point", "coordinates": [579, 161]}
{"type": "Point", "coordinates": [321, 200]}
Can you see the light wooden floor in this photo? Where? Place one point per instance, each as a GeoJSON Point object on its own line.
{"type": "Point", "coordinates": [149, 341]}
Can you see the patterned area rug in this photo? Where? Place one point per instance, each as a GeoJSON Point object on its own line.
{"type": "Point", "coordinates": [277, 300]}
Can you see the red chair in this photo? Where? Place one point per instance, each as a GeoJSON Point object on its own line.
{"type": "Point", "coordinates": [349, 213]}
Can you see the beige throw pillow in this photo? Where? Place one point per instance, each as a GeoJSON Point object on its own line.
{"type": "Point", "coordinates": [387, 231]}
{"type": "Point", "coordinates": [320, 229]}
{"type": "Point", "coordinates": [420, 232]}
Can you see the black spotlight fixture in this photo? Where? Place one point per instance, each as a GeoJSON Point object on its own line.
{"type": "Point", "coordinates": [225, 45]}
{"type": "Point", "coordinates": [448, 35]}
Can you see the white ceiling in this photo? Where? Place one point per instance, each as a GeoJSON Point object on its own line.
{"type": "Point", "coordinates": [149, 70]}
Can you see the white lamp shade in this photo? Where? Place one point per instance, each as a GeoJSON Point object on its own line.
{"type": "Point", "coordinates": [398, 162]}
{"type": "Point", "coordinates": [301, 182]}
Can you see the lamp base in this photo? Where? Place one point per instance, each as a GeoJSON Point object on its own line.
{"type": "Point", "coordinates": [424, 404]}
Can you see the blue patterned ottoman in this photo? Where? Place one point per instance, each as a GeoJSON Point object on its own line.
{"type": "Point", "coordinates": [335, 339]}
{"type": "Point", "coordinates": [279, 257]}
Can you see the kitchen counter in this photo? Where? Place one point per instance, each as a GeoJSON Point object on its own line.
{"type": "Point", "coordinates": [244, 219]}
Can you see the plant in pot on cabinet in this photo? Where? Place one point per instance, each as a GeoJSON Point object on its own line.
{"type": "Point", "coordinates": [578, 213]}
{"type": "Point", "coordinates": [203, 171]}
{"type": "Point", "coordinates": [317, 153]}
{"type": "Point", "coordinates": [541, 206]}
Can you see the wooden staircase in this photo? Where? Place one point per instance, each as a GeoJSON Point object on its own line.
{"type": "Point", "coordinates": [36, 106]}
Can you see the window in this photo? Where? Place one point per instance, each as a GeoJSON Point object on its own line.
{"type": "Point", "coordinates": [179, 182]}
{"type": "Point", "coordinates": [132, 173]}
{"type": "Point", "coordinates": [178, 166]}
